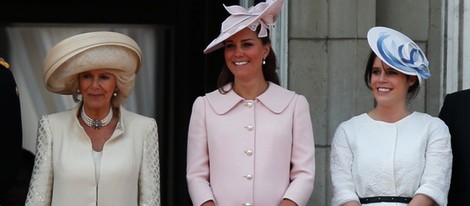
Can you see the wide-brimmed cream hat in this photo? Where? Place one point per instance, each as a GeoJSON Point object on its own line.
{"type": "Point", "coordinates": [264, 14]}
{"type": "Point", "coordinates": [89, 51]}
{"type": "Point", "coordinates": [399, 52]}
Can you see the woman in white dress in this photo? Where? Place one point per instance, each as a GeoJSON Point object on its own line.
{"type": "Point", "coordinates": [392, 155]}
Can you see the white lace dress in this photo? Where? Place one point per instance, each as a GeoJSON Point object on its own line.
{"type": "Point", "coordinates": [374, 158]}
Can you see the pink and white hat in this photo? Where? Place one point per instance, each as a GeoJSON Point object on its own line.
{"type": "Point", "coordinates": [264, 14]}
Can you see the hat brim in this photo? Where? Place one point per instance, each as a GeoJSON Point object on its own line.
{"type": "Point", "coordinates": [271, 8]}
{"type": "Point", "coordinates": [375, 37]}
{"type": "Point", "coordinates": [58, 75]}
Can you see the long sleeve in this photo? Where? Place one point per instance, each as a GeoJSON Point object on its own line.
{"type": "Point", "coordinates": [455, 114]}
{"type": "Point", "coordinates": [341, 159]}
{"type": "Point", "coordinates": [40, 188]}
{"type": "Point", "coordinates": [435, 181]}
{"type": "Point", "coordinates": [149, 177]}
{"type": "Point", "coordinates": [198, 157]}
{"type": "Point", "coordinates": [12, 135]}
{"type": "Point", "coordinates": [303, 155]}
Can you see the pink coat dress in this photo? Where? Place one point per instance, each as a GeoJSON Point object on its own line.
{"type": "Point", "coordinates": [251, 152]}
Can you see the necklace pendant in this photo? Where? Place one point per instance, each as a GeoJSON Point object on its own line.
{"type": "Point", "coordinates": [96, 124]}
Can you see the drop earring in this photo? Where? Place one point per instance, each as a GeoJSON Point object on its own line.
{"type": "Point", "coordinates": [78, 97]}
{"type": "Point", "coordinates": [264, 62]}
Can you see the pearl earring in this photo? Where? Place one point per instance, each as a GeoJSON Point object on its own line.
{"type": "Point", "coordinates": [264, 62]}
{"type": "Point", "coordinates": [115, 94]}
{"type": "Point", "coordinates": [78, 97]}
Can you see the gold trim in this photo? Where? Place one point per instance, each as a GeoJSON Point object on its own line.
{"type": "Point", "coordinates": [4, 63]}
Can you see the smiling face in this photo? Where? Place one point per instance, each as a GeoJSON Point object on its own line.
{"type": "Point", "coordinates": [97, 88]}
{"type": "Point", "coordinates": [389, 86]}
{"type": "Point", "coordinates": [244, 53]}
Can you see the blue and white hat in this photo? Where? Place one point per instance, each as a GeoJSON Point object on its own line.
{"type": "Point", "coordinates": [399, 52]}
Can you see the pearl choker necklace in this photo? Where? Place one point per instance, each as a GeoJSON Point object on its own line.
{"type": "Point", "coordinates": [97, 123]}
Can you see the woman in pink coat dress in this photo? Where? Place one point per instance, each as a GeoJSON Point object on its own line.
{"type": "Point", "coordinates": [251, 141]}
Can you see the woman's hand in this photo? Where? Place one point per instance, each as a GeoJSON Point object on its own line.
{"type": "Point", "coordinates": [208, 203]}
{"type": "Point", "coordinates": [352, 203]}
{"type": "Point", "coordinates": [287, 202]}
{"type": "Point", "coordinates": [421, 200]}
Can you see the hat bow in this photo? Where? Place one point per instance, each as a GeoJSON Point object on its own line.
{"type": "Point", "coordinates": [239, 14]}
{"type": "Point", "coordinates": [407, 56]}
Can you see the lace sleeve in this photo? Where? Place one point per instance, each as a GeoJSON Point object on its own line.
{"type": "Point", "coordinates": [149, 179]}
{"type": "Point", "coordinates": [40, 188]}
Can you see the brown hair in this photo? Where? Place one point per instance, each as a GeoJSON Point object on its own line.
{"type": "Point", "coordinates": [269, 69]}
{"type": "Point", "coordinates": [412, 90]}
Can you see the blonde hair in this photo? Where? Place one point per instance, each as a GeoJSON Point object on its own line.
{"type": "Point", "coordinates": [124, 82]}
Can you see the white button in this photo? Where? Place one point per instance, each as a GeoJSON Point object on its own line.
{"type": "Point", "coordinates": [249, 104]}
{"type": "Point", "coordinates": [248, 204]}
{"type": "Point", "coordinates": [249, 176]}
{"type": "Point", "coordinates": [249, 152]}
{"type": "Point", "coordinates": [249, 127]}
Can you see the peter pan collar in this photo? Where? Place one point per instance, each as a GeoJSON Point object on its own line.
{"type": "Point", "coordinates": [275, 98]}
